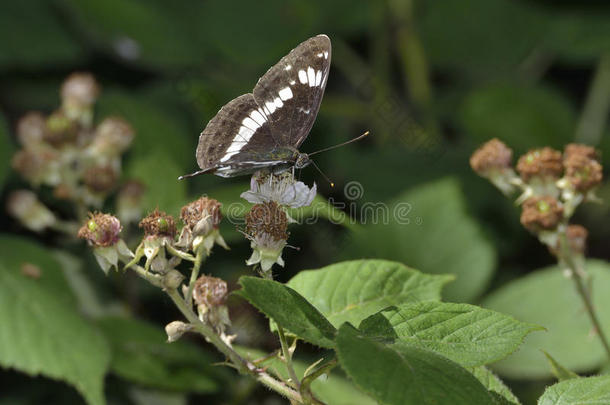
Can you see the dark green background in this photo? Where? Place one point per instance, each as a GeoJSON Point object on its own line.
{"type": "Point", "coordinates": [431, 80]}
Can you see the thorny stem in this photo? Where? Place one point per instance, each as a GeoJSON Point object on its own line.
{"type": "Point", "coordinates": [200, 256]}
{"type": "Point", "coordinates": [241, 364]}
{"type": "Point", "coordinates": [287, 356]}
{"type": "Point", "coordinates": [567, 257]}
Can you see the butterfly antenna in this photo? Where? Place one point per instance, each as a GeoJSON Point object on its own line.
{"type": "Point", "coordinates": [341, 144]}
{"type": "Point", "coordinates": [322, 173]}
{"type": "Point", "coordinates": [197, 173]}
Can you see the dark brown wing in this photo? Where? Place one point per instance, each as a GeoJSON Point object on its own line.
{"type": "Point", "coordinates": [237, 140]}
{"type": "Point", "coordinates": [291, 91]}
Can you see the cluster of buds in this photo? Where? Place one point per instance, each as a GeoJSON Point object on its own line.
{"type": "Point", "coordinates": [65, 151]}
{"type": "Point", "coordinates": [552, 185]}
{"type": "Point", "coordinates": [163, 252]}
{"type": "Point", "coordinates": [268, 219]}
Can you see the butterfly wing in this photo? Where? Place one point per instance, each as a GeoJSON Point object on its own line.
{"type": "Point", "coordinates": [237, 140]}
{"type": "Point", "coordinates": [291, 91]}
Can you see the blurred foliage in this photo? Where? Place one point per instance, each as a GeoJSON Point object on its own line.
{"type": "Point", "coordinates": [430, 79]}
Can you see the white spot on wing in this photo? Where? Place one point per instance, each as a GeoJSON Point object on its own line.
{"type": "Point", "coordinates": [278, 103]}
{"type": "Point", "coordinates": [320, 55]}
{"type": "Point", "coordinates": [311, 76]}
{"type": "Point", "coordinates": [227, 156]}
{"type": "Point", "coordinates": [292, 82]}
{"type": "Point", "coordinates": [270, 107]}
{"type": "Point", "coordinates": [250, 124]}
{"type": "Point", "coordinates": [318, 77]}
{"type": "Point", "coordinates": [326, 55]}
{"type": "Point", "coordinates": [258, 117]}
{"type": "Point", "coordinates": [288, 67]}
{"type": "Point", "coordinates": [286, 93]}
{"type": "Point", "coordinates": [302, 76]}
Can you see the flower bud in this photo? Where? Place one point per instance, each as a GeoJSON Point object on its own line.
{"type": "Point", "coordinates": [78, 93]}
{"type": "Point", "coordinates": [112, 137]}
{"type": "Point", "coordinates": [544, 163]}
{"type": "Point", "coordinates": [201, 221]}
{"type": "Point", "coordinates": [38, 166]}
{"type": "Point", "coordinates": [210, 294]}
{"type": "Point", "coordinates": [101, 230]}
{"type": "Point", "coordinates": [24, 206]}
{"type": "Point", "coordinates": [210, 291]}
{"type": "Point", "coordinates": [30, 129]}
{"type": "Point", "coordinates": [176, 329]}
{"type": "Point", "coordinates": [266, 227]}
{"type": "Point", "coordinates": [100, 179]}
{"type": "Point", "coordinates": [493, 161]}
{"type": "Point", "coordinates": [572, 149]}
{"type": "Point", "coordinates": [158, 223]}
{"type": "Point", "coordinates": [582, 172]}
{"type": "Point", "coordinates": [172, 279]}
{"type": "Point", "coordinates": [60, 130]}
{"type": "Point", "coordinates": [541, 213]}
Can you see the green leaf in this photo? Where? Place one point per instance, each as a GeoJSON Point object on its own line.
{"type": "Point", "coordinates": [466, 334]}
{"type": "Point", "coordinates": [42, 334]}
{"type": "Point", "coordinates": [17, 253]}
{"type": "Point", "coordinates": [43, 39]}
{"type": "Point", "coordinates": [353, 290]}
{"type": "Point", "coordinates": [289, 309]}
{"type": "Point", "coordinates": [332, 389]}
{"type": "Point", "coordinates": [141, 354]}
{"type": "Point", "coordinates": [429, 229]}
{"type": "Point", "coordinates": [524, 117]}
{"type": "Point", "coordinates": [490, 381]}
{"type": "Point", "coordinates": [406, 375]}
{"type": "Point", "coordinates": [546, 297]}
{"type": "Point", "coordinates": [559, 371]}
{"type": "Point", "coordinates": [6, 150]}
{"type": "Point", "coordinates": [590, 391]}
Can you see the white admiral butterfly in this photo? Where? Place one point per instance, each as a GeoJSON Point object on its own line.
{"type": "Point", "coordinates": [265, 128]}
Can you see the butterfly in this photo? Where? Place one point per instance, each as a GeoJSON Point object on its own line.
{"type": "Point", "coordinates": [265, 128]}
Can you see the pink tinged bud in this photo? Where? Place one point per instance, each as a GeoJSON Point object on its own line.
{"type": "Point", "coordinates": [78, 93]}
{"type": "Point", "coordinates": [101, 230]}
{"type": "Point", "coordinates": [112, 137]}
{"type": "Point", "coordinates": [24, 206]}
{"type": "Point", "coordinates": [201, 221]}
{"type": "Point", "coordinates": [31, 129]}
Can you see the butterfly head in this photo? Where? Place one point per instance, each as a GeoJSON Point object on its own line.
{"type": "Point", "coordinates": [302, 161]}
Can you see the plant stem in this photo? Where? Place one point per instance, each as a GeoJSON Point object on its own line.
{"type": "Point", "coordinates": [199, 258]}
{"type": "Point", "coordinates": [595, 111]}
{"type": "Point", "coordinates": [287, 356]}
{"type": "Point", "coordinates": [414, 63]}
{"type": "Point", "coordinates": [567, 256]}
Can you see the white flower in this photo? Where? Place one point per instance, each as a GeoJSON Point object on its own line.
{"type": "Point", "coordinates": [281, 188]}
